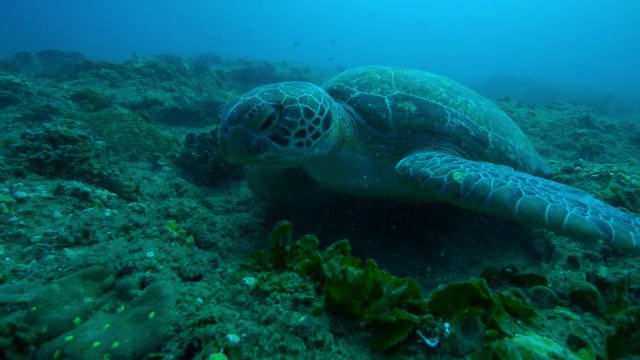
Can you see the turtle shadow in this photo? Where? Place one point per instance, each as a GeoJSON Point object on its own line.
{"type": "Point", "coordinates": [432, 242]}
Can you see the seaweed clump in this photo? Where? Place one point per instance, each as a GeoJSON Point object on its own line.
{"type": "Point", "coordinates": [388, 306]}
{"type": "Point", "coordinates": [391, 308]}
{"type": "Point", "coordinates": [625, 342]}
{"type": "Point", "coordinates": [519, 318]}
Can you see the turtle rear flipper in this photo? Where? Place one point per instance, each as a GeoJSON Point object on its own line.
{"type": "Point", "coordinates": [501, 191]}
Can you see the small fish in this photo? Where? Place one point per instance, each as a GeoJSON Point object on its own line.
{"type": "Point", "coordinates": [423, 24]}
{"type": "Point", "coordinates": [296, 43]}
{"type": "Point", "coordinates": [333, 41]}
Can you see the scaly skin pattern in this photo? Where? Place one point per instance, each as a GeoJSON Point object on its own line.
{"type": "Point", "coordinates": [504, 192]}
{"type": "Point", "coordinates": [397, 100]}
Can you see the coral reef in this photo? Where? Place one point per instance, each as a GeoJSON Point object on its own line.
{"type": "Point", "coordinates": [79, 316]}
{"type": "Point", "coordinates": [125, 131]}
{"type": "Point", "coordinates": [89, 100]}
{"type": "Point", "coordinates": [46, 62]}
{"type": "Point", "coordinates": [198, 159]}
{"type": "Point", "coordinates": [122, 235]}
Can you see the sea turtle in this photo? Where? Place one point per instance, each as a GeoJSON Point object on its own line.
{"type": "Point", "coordinates": [412, 135]}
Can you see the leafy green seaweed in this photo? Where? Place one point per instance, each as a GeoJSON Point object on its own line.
{"type": "Point", "coordinates": [389, 306]}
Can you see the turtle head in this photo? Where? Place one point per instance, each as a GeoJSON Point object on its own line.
{"type": "Point", "coordinates": [281, 125]}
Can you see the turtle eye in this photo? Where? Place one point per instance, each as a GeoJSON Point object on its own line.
{"type": "Point", "coordinates": [267, 117]}
{"type": "Point", "coordinates": [269, 120]}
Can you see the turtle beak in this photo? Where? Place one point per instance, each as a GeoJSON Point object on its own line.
{"type": "Point", "coordinates": [241, 146]}
{"type": "Point", "coordinates": [235, 144]}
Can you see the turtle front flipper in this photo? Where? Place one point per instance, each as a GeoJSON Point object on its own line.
{"type": "Point", "coordinates": [502, 191]}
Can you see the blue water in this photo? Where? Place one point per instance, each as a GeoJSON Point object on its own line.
{"type": "Point", "coordinates": [583, 42]}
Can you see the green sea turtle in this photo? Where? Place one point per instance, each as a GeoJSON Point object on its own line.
{"type": "Point", "coordinates": [411, 135]}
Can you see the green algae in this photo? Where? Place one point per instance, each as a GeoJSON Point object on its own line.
{"type": "Point", "coordinates": [530, 346]}
{"type": "Point", "coordinates": [388, 306]}
{"type": "Point", "coordinates": [391, 308]}
{"type": "Point", "coordinates": [472, 302]}
{"type": "Point", "coordinates": [625, 342]}
{"type": "Point", "coordinates": [500, 324]}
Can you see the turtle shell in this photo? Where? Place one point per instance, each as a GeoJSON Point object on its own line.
{"type": "Point", "coordinates": [398, 100]}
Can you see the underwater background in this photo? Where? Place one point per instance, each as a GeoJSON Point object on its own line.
{"type": "Point", "coordinates": [124, 235]}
